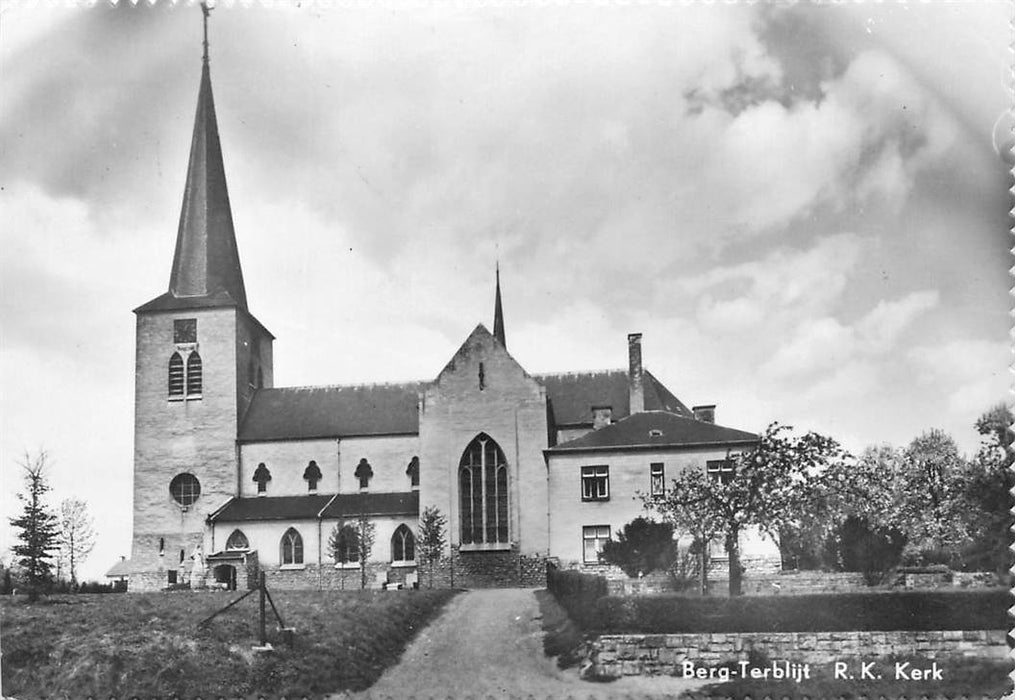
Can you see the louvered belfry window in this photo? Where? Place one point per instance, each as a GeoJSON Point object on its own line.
{"type": "Point", "coordinates": [194, 378]}
{"type": "Point", "coordinates": [176, 375]}
{"type": "Point", "coordinates": [483, 493]}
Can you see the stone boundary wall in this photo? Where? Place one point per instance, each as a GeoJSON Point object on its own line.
{"type": "Point", "coordinates": [618, 655]}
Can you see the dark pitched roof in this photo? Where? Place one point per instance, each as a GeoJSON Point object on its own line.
{"type": "Point", "coordinates": [352, 505]}
{"type": "Point", "coordinates": [303, 413]}
{"type": "Point", "coordinates": [238, 510]}
{"type": "Point", "coordinates": [572, 395]}
{"type": "Point", "coordinates": [639, 432]}
{"type": "Point", "coordinates": [206, 264]}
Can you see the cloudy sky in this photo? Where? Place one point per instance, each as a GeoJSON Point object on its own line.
{"type": "Point", "coordinates": [801, 208]}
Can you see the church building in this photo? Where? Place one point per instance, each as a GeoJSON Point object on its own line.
{"type": "Point", "coordinates": [234, 476]}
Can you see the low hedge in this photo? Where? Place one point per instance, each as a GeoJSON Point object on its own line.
{"type": "Point", "coordinates": [916, 610]}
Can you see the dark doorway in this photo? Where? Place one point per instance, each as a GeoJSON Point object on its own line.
{"type": "Point", "coordinates": [226, 573]}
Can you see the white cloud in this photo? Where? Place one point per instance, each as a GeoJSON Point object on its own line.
{"type": "Point", "coordinates": [972, 374]}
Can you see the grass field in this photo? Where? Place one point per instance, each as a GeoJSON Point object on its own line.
{"type": "Point", "coordinates": [76, 646]}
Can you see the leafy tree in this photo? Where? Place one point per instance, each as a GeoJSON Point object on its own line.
{"type": "Point", "coordinates": [343, 543]}
{"type": "Point", "coordinates": [365, 534]}
{"type": "Point", "coordinates": [431, 538]}
{"type": "Point", "coordinates": [643, 546]}
{"type": "Point", "coordinates": [38, 526]}
{"type": "Point", "coordinates": [770, 487]}
{"type": "Point", "coordinates": [932, 497]}
{"type": "Point", "coordinates": [987, 490]}
{"type": "Point", "coordinates": [76, 534]}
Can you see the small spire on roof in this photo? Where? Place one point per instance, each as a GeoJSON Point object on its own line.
{"type": "Point", "coordinates": [498, 314]}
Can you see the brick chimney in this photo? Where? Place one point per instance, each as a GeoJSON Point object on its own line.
{"type": "Point", "coordinates": [705, 413]}
{"type": "Point", "coordinates": [634, 373]}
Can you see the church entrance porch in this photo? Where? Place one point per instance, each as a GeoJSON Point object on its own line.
{"type": "Point", "coordinates": [225, 576]}
{"type": "Point", "coordinates": [233, 569]}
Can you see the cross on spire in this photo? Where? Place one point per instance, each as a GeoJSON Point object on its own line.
{"type": "Point", "coordinates": [205, 10]}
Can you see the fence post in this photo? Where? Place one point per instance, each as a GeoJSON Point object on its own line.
{"type": "Point", "coordinates": [264, 636]}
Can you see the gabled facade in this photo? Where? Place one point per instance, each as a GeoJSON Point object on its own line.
{"type": "Point", "coordinates": [233, 476]}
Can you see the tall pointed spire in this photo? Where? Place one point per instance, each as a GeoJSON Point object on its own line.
{"type": "Point", "coordinates": [498, 314]}
{"type": "Point", "coordinates": [206, 262]}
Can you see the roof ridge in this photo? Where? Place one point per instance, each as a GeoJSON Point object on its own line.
{"type": "Point", "coordinates": [576, 372]}
{"type": "Point", "coordinates": [362, 385]}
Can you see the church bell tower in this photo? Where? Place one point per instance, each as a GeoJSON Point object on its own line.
{"type": "Point", "coordinates": [200, 356]}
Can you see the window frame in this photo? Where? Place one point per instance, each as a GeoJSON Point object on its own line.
{"type": "Point", "coordinates": [595, 483]}
{"type": "Point", "coordinates": [230, 547]}
{"type": "Point", "coordinates": [406, 539]}
{"type": "Point", "coordinates": [195, 375]}
{"type": "Point", "coordinates": [194, 494]}
{"type": "Point", "coordinates": [177, 384]}
{"type": "Point", "coordinates": [725, 469]}
{"type": "Point", "coordinates": [484, 505]}
{"type": "Point", "coordinates": [294, 540]}
{"type": "Point", "coordinates": [657, 482]}
{"type": "Point", "coordinates": [597, 537]}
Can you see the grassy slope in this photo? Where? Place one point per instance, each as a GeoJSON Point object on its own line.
{"type": "Point", "coordinates": [149, 644]}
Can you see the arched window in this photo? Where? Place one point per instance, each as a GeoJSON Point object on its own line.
{"type": "Point", "coordinates": [262, 476]}
{"type": "Point", "coordinates": [312, 474]}
{"type": "Point", "coordinates": [193, 374]}
{"type": "Point", "coordinates": [403, 545]}
{"type": "Point", "coordinates": [413, 472]}
{"type": "Point", "coordinates": [185, 488]}
{"type": "Point", "coordinates": [292, 547]}
{"type": "Point", "coordinates": [345, 544]}
{"type": "Point", "coordinates": [237, 540]}
{"type": "Point", "coordinates": [176, 375]}
{"type": "Point", "coordinates": [364, 472]}
{"type": "Point", "coordinates": [483, 492]}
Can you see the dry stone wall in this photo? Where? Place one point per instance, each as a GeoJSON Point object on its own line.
{"type": "Point", "coordinates": [613, 656]}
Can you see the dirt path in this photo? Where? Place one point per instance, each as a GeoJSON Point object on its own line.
{"type": "Point", "coordinates": [488, 643]}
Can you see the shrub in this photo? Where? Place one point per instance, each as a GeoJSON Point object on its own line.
{"type": "Point", "coordinates": [873, 551]}
{"type": "Point", "coordinates": [577, 593]}
{"type": "Point", "coordinates": [643, 546]}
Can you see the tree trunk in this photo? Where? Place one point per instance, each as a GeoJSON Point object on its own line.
{"type": "Point", "coordinates": [733, 551]}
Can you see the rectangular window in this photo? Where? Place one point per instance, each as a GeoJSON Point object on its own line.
{"type": "Point", "coordinates": [657, 476]}
{"type": "Point", "coordinates": [171, 578]}
{"type": "Point", "coordinates": [596, 483]}
{"type": "Point", "coordinates": [185, 330]}
{"type": "Point", "coordinates": [721, 469]}
{"type": "Point", "coordinates": [594, 538]}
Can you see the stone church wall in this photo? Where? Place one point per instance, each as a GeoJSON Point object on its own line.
{"type": "Point", "coordinates": [194, 435]}
{"type": "Point", "coordinates": [286, 461]}
{"type": "Point", "coordinates": [388, 456]}
{"type": "Point", "coordinates": [507, 405]}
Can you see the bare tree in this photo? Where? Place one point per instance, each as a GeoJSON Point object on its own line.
{"type": "Point", "coordinates": [76, 535]}
{"type": "Point", "coordinates": [38, 526]}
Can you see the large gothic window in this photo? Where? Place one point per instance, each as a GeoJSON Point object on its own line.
{"type": "Point", "coordinates": [193, 374]}
{"type": "Point", "coordinates": [292, 547]}
{"type": "Point", "coordinates": [483, 492]}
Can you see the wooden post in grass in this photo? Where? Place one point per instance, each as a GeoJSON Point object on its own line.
{"type": "Point", "coordinates": [264, 635]}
